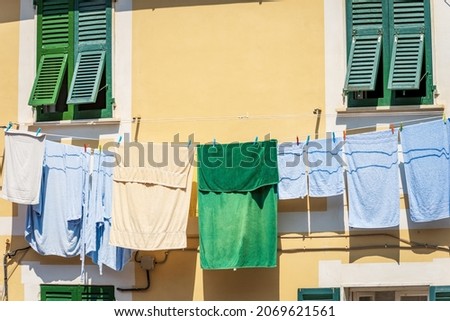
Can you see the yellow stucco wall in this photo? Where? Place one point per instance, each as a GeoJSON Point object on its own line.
{"type": "Point", "coordinates": [9, 62]}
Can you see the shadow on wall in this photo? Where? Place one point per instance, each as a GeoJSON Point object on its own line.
{"type": "Point", "coordinates": [158, 4]}
{"type": "Point", "coordinates": [9, 11]}
{"type": "Point", "coordinates": [376, 243]}
{"type": "Point", "coordinates": [241, 285]}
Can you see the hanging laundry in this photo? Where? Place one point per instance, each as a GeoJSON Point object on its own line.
{"type": "Point", "coordinates": [426, 159]}
{"type": "Point", "coordinates": [53, 227]}
{"type": "Point", "coordinates": [237, 205]}
{"type": "Point", "coordinates": [151, 196]}
{"type": "Point", "coordinates": [373, 180]}
{"type": "Point", "coordinates": [97, 220]}
{"type": "Point", "coordinates": [292, 171]}
{"type": "Point", "coordinates": [325, 162]}
{"type": "Point", "coordinates": [22, 170]}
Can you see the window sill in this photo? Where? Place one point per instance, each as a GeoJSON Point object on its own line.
{"type": "Point", "coordinates": [83, 122]}
{"type": "Point", "coordinates": [425, 110]}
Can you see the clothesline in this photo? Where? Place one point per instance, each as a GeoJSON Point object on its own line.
{"type": "Point", "coordinates": [118, 135]}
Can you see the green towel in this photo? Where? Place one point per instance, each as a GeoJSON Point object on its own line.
{"type": "Point", "coordinates": [238, 206]}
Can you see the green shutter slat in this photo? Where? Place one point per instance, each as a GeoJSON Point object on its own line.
{"type": "Point", "coordinates": [406, 63]}
{"type": "Point", "coordinates": [97, 293]}
{"type": "Point", "coordinates": [409, 13]}
{"type": "Point", "coordinates": [367, 15]}
{"type": "Point", "coordinates": [439, 293]}
{"type": "Point", "coordinates": [92, 21]}
{"type": "Point", "coordinates": [56, 292]}
{"type": "Point", "coordinates": [363, 63]}
{"type": "Point", "coordinates": [48, 81]}
{"type": "Point", "coordinates": [55, 23]}
{"type": "Point", "coordinates": [319, 294]}
{"type": "Point", "coordinates": [87, 77]}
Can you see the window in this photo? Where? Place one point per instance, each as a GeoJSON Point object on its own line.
{"type": "Point", "coordinates": [319, 294]}
{"type": "Point", "coordinates": [440, 293]}
{"type": "Point", "coordinates": [73, 78]}
{"type": "Point", "coordinates": [389, 53]}
{"type": "Point", "coordinates": [59, 292]}
{"type": "Point", "coordinates": [389, 294]}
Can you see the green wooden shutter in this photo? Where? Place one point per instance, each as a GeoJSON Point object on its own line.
{"type": "Point", "coordinates": [53, 292]}
{"type": "Point", "coordinates": [87, 76]}
{"type": "Point", "coordinates": [53, 46]}
{"type": "Point", "coordinates": [408, 45]}
{"type": "Point", "coordinates": [439, 293]}
{"type": "Point", "coordinates": [319, 294]}
{"type": "Point", "coordinates": [48, 81]}
{"type": "Point", "coordinates": [91, 38]}
{"type": "Point", "coordinates": [62, 292]}
{"type": "Point", "coordinates": [365, 51]}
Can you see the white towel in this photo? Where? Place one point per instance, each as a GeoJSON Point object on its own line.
{"type": "Point", "coordinates": [22, 170]}
{"type": "Point", "coordinates": [151, 202]}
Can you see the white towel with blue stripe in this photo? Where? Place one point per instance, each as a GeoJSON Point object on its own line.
{"type": "Point", "coordinates": [426, 160]}
{"type": "Point", "coordinates": [325, 162]}
{"type": "Point", "coordinates": [373, 180]}
{"type": "Point", "coordinates": [292, 171]}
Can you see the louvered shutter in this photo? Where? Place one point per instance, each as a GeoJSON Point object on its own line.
{"type": "Point", "coordinates": [53, 44]}
{"type": "Point", "coordinates": [54, 292]}
{"type": "Point", "coordinates": [91, 38]}
{"type": "Point", "coordinates": [97, 293]}
{"type": "Point", "coordinates": [408, 47]}
{"type": "Point", "coordinates": [439, 293]}
{"type": "Point", "coordinates": [319, 294]}
{"type": "Point", "coordinates": [365, 51]}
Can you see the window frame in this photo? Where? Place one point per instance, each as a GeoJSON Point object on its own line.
{"type": "Point", "coordinates": [75, 111]}
{"type": "Point", "coordinates": [389, 97]}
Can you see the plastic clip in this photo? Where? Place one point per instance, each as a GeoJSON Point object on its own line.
{"type": "Point", "coordinates": [38, 131]}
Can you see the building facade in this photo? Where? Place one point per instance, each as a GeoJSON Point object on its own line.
{"type": "Point", "coordinates": [89, 72]}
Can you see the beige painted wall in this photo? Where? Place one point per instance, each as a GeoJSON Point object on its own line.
{"type": "Point", "coordinates": [9, 58]}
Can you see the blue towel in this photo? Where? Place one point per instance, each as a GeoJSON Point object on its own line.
{"type": "Point", "coordinates": [426, 159]}
{"type": "Point", "coordinates": [53, 227]}
{"type": "Point", "coordinates": [373, 180]}
{"type": "Point", "coordinates": [325, 162]}
{"type": "Point", "coordinates": [292, 171]}
{"type": "Point", "coordinates": [98, 218]}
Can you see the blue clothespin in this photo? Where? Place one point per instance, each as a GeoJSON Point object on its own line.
{"type": "Point", "coordinates": [214, 142]}
{"type": "Point", "coordinates": [9, 126]}
{"type": "Point", "coordinates": [256, 140]}
{"type": "Point", "coordinates": [334, 138]}
{"type": "Point", "coordinates": [119, 140]}
{"type": "Point", "coordinates": [38, 131]}
{"type": "Point", "coordinates": [189, 143]}
{"type": "Point", "coordinates": [307, 140]}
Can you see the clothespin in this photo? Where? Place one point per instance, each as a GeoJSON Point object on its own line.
{"type": "Point", "coordinates": [334, 137]}
{"type": "Point", "coordinates": [85, 147]}
{"type": "Point", "coordinates": [214, 142]}
{"type": "Point", "coordinates": [189, 143]}
{"type": "Point", "coordinates": [401, 126]}
{"type": "Point", "coordinates": [391, 126]}
{"type": "Point", "coordinates": [9, 126]}
{"type": "Point", "coordinates": [100, 147]}
{"type": "Point", "coordinates": [344, 134]}
{"type": "Point", "coordinates": [256, 140]}
{"type": "Point", "coordinates": [444, 118]}
{"type": "Point", "coordinates": [307, 140]}
{"type": "Point", "coordinates": [298, 142]}
{"type": "Point", "coordinates": [119, 139]}
{"type": "Point", "coordinates": [38, 131]}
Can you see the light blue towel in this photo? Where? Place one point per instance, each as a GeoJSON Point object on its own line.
{"type": "Point", "coordinates": [325, 162]}
{"type": "Point", "coordinates": [426, 159]}
{"type": "Point", "coordinates": [292, 171]}
{"type": "Point", "coordinates": [99, 217]}
{"type": "Point", "coordinates": [373, 180]}
{"type": "Point", "coordinates": [53, 227]}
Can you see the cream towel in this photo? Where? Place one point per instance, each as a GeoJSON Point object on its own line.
{"type": "Point", "coordinates": [22, 171]}
{"type": "Point", "coordinates": [151, 196]}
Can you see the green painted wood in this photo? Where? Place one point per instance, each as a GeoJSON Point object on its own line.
{"type": "Point", "coordinates": [92, 21]}
{"type": "Point", "coordinates": [54, 24]}
{"type": "Point", "coordinates": [439, 293]}
{"type": "Point", "coordinates": [319, 294]}
{"type": "Point", "coordinates": [87, 76]}
{"type": "Point", "coordinates": [48, 80]}
{"type": "Point", "coordinates": [363, 63]}
{"type": "Point", "coordinates": [61, 292]}
{"type": "Point", "coordinates": [406, 62]}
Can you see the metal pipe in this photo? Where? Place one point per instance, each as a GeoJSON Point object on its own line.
{"type": "Point", "coordinates": [6, 256]}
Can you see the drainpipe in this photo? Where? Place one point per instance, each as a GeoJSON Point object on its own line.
{"type": "Point", "coordinates": [6, 256]}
